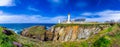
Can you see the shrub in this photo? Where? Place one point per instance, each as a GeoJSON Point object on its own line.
{"type": "Point", "coordinates": [103, 42]}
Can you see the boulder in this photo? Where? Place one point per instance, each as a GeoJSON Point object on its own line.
{"type": "Point", "coordinates": [17, 44]}
{"type": "Point", "coordinates": [35, 32]}
{"type": "Point", "coordinates": [48, 36]}
{"type": "Point", "coordinates": [7, 32]}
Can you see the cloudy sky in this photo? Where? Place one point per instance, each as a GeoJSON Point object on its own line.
{"type": "Point", "coordinates": [49, 11]}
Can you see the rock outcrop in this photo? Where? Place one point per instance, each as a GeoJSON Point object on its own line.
{"type": "Point", "coordinates": [63, 32]}
{"type": "Point", "coordinates": [35, 32]}
{"type": "Point", "coordinates": [75, 32]}
{"type": "Point", "coordinates": [88, 36]}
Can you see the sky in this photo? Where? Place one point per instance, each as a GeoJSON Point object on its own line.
{"type": "Point", "coordinates": [49, 11]}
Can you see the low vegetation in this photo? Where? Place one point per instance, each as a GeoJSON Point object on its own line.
{"type": "Point", "coordinates": [5, 40]}
{"type": "Point", "coordinates": [106, 38]}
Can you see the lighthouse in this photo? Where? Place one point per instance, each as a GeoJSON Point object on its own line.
{"type": "Point", "coordinates": [68, 20]}
{"type": "Point", "coordinates": [59, 21]}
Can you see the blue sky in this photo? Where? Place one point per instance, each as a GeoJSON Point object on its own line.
{"type": "Point", "coordinates": [49, 11]}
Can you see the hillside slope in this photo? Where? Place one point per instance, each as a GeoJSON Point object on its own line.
{"type": "Point", "coordinates": [64, 36]}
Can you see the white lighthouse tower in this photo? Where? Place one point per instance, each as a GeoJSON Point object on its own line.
{"type": "Point", "coordinates": [59, 21]}
{"type": "Point", "coordinates": [68, 20]}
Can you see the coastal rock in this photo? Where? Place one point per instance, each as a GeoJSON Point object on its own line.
{"type": "Point", "coordinates": [48, 36]}
{"type": "Point", "coordinates": [35, 32]}
{"type": "Point", "coordinates": [75, 32]}
{"type": "Point", "coordinates": [8, 32]}
{"type": "Point", "coordinates": [63, 33]}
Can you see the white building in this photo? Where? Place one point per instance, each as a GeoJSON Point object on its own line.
{"type": "Point", "coordinates": [76, 21]}
{"type": "Point", "coordinates": [59, 21]}
{"type": "Point", "coordinates": [68, 20]}
{"type": "Point", "coordinates": [81, 20]}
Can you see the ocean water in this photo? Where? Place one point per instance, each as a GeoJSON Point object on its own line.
{"type": "Point", "coordinates": [18, 27]}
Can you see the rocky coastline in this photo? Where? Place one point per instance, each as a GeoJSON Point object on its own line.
{"type": "Point", "coordinates": [61, 35]}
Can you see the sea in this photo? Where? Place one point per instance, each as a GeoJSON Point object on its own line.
{"type": "Point", "coordinates": [19, 27]}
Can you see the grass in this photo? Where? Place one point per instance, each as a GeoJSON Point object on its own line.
{"type": "Point", "coordinates": [36, 30]}
{"type": "Point", "coordinates": [115, 36]}
{"type": "Point", "coordinates": [6, 41]}
{"type": "Point", "coordinates": [82, 25]}
{"type": "Point", "coordinates": [106, 38]}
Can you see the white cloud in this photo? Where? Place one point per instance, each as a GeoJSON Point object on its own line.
{"type": "Point", "coordinates": [17, 19]}
{"type": "Point", "coordinates": [86, 14]}
{"type": "Point", "coordinates": [55, 19]}
{"type": "Point", "coordinates": [103, 15]}
{"type": "Point", "coordinates": [32, 8]}
{"type": "Point", "coordinates": [7, 2]}
{"type": "Point", "coordinates": [1, 12]}
{"type": "Point", "coordinates": [9, 18]}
